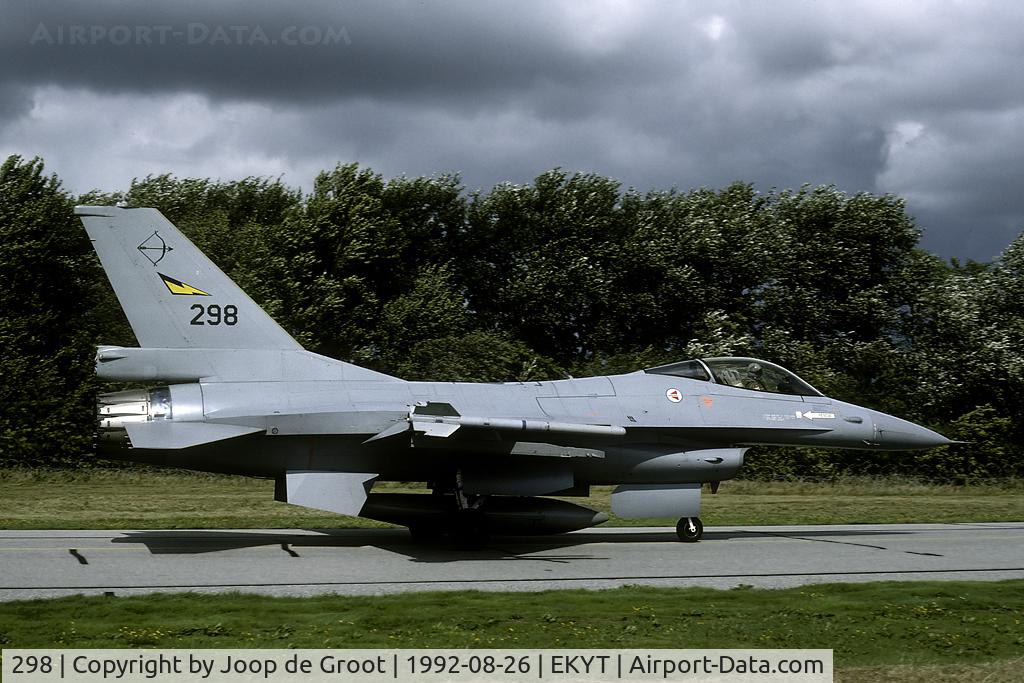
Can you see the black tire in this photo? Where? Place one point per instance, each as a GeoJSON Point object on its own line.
{"type": "Point", "coordinates": [470, 532]}
{"type": "Point", "coordinates": [690, 529]}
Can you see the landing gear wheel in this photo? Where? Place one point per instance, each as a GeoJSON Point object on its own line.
{"type": "Point", "coordinates": [690, 529]}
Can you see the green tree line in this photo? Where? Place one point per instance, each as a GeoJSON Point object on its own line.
{"type": "Point", "coordinates": [569, 275]}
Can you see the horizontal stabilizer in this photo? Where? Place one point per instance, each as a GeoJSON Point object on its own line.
{"type": "Point", "coordinates": [170, 435]}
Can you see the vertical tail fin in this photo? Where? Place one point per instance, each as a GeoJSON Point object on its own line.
{"type": "Point", "coordinates": [173, 295]}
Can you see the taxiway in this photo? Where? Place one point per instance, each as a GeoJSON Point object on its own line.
{"type": "Point", "coordinates": [42, 564]}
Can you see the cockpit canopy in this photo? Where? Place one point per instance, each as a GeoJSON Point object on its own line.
{"type": "Point", "coordinates": [745, 373]}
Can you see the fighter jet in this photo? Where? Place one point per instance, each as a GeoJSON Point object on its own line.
{"type": "Point", "coordinates": [230, 391]}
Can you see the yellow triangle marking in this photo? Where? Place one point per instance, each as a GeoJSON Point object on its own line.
{"type": "Point", "coordinates": [179, 287]}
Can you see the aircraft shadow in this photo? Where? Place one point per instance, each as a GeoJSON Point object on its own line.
{"type": "Point", "coordinates": [501, 547]}
{"type": "Point", "coordinates": [392, 540]}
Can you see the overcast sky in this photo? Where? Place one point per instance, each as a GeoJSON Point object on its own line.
{"type": "Point", "coordinates": [921, 99]}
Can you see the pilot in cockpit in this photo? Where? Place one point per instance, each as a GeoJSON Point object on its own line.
{"type": "Point", "coordinates": [754, 377]}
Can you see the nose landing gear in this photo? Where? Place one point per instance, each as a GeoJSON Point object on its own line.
{"type": "Point", "coordinates": [690, 529]}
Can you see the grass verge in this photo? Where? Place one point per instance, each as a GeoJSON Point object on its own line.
{"type": "Point", "coordinates": [951, 625]}
{"type": "Point", "coordinates": [157, 499]}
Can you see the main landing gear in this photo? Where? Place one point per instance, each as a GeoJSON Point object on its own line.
{"type": "Point", "coordinates": [462, 523]}
{"type": "Point", "coordinates": [690, 529]}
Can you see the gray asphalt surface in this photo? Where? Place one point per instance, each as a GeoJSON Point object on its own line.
{"type": "Point", "coordinates": [42, 564]}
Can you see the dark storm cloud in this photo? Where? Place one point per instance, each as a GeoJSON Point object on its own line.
{"type": "Point", "coordinates": [310, 51]}
{"type": "Point", "coordinates": [15, 101]}
{"type": "Point", "coordinates": [922, 99]}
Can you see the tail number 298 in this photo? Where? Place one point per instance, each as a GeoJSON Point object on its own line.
{"type": "Point", "coordinates": [214, 314]}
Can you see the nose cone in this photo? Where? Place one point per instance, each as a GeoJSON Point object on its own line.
{"type": "Point", "coordinates": [894, 434]}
